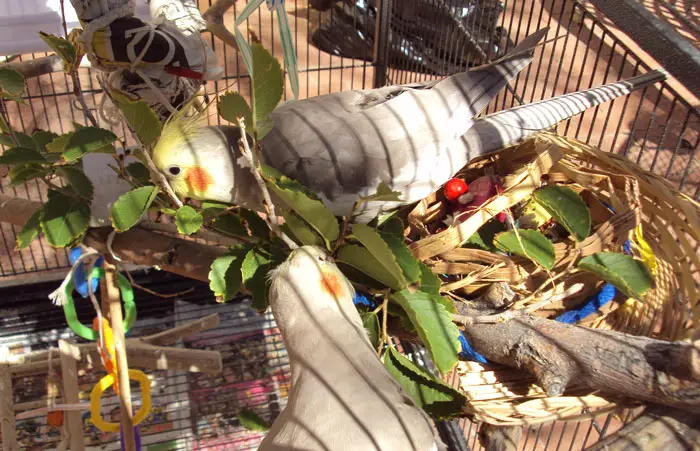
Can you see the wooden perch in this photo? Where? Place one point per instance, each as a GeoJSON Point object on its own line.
{"type": "Point", "coordinates": [7, 411]}
{"type": "Point", "coordinates": [140, 247]}
{"type": "Point", "coordinates": [110, 291]}
{"type": "Point", "coordinates": [171, 336]}
{"type": "Point", "coordinates": [214, 18]}
{"type": "Point", "coordinates": [36, 67]}
{"type": "Point", "coordinates": [69, 375]}
{"type": "Point", "coordinates": [139, 352]}
{"type": "Point", "coordinates": [658, 428]}
{"type": "Point", "coordinates": [561, 355]}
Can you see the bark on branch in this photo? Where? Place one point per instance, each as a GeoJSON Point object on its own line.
{"type": "Point", "coordinates": [562, 355]}
{"type": "Point", "coordinates": [658, 428]}
{"type": "Point", "coordinates": [36, 67]}
{"type": "Point", "coordinates": [138, 246]}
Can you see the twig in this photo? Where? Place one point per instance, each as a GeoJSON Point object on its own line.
{"type": "Point", "coordinates": [162, 181]}
{"type": "Point", "coordinates": [117, 320]}
{"type": "Point", "coordinates": [385, 311]}
{"type": "Point", "coordinates": [271, 216]}
{"type": "Point", "coordinates": [155, 293]}
{"type": "Point", "coordinates": [214, 18]}
{"type": "Point", "coordinates": [485, 319]}
{"type": "Point", "coordinates": [77, 91]}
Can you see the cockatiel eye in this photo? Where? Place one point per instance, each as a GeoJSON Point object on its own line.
{"type": "Point", "coordinates": [174, 170]}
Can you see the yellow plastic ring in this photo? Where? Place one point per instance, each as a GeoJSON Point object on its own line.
{"type": "Point", "coordinates": [104, 384]}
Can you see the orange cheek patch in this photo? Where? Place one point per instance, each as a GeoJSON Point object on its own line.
{"type": "Point", "coordinates": [198, 179]}
{"type": "Point", "coordinates": [330, 284]}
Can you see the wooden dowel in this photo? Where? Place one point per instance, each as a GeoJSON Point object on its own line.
{"type": "Point", "coordinates": [71, 393]}
{"type": "Point", "coordinates": [117, 323]}
{"type": "Point", "coordinates": [7, 411]}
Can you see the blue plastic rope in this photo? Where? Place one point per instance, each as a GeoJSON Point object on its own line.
{"type": "Point", "coordinates": [79, 276]}
{"type": "Point", "coordinates": [361, 299]}
{"type": "Point", "coordinates": [468, 352]}
{"type": "Point", "coordinates": [595, 302]}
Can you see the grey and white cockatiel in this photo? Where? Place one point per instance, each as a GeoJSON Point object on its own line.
{"type": "Point", "coordinates": [342, 398]}
{"type": "Point", "coordinates": [343, 145]}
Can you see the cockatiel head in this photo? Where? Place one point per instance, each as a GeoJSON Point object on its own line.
{"type": "Point", "coordinates": [204, 163]}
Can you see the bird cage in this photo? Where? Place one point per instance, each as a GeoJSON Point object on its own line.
{"type": "Point", "coordinates": [340, 45]}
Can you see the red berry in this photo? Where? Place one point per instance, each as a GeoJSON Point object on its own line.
{"type": "Point", "coordinates": [455, 188]}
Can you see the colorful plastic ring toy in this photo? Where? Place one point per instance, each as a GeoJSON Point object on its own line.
{"type": "Point", "coordinates": [104, 384]}
{"type": "Point", "coordinates": [127, 295]}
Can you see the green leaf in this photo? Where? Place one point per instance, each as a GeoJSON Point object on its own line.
{"type": "Point", "coordinates": [404, 257]}
{"type": "Point", "coordinates": [251, 420]}
{"type": "Point", "coordinates": [429, 281]}
{"type": "Point", "coordinates": [447, 303]}
{"type": "Point", "coordinates": [25, 172]}
{"type": "Point", "coordinates": [393, 226]}
{"type": "Point", "coordinates": [567, 208]}
{"type": "Point", "coordinates": [398, 312]}
{"type": "Point", "coordinates": [23, 140]}
{"type": "Point", "coordinates": [381, 253]}
{"type": "Point", "coordinates": [86, 140]}
{"type": "Point", "coordinates": [300, 230]}
{"type": "Point", "coordinates": [41, 138]}
{"type": "Point", "coordinates": [254, 270]}
{"type": "Point", "coordinates": [126, 212]}
{"type": "Point", "coordinates": [30, 230]}
{"type": "Point", "coordinates": [77, 179]}
{"type": "Point", "coordinates": [257, 225]}
{"type": "Point", "coordinates": [362, 260]}
{"type": "Point", "coordinates": [11, 81]}
{"type": "Point", "coordinates": [225, 273]}
{"type": "Point", "coordinates": [282, 181]}
{"type": "Point", "coordinates": [188, 220]}
{"type": "Point", "coordinates": [628, 274]}
{"type": "Point", "coordinates": [434, 326]}
{"type": "Point", "coordinates": [384, 193]}
{"type": "Point", "coordinates": [141, 118]}
{"type": "Point", "coordinates": [139, 172]}
{"type": "Point", "coordinates": [59, 143]}
{"type": "Point", "coordinates": [537, 247]}
{"type": "Point", "coordinates": [290, 56]}
{"type": "Point", "coordinates": [268, 83]}
{"type": "Point", "coordinates": [232, 105]}
{"type": "Point", "coordinates": [431, 394]}
{"type": "Point", "coordinates": [65, 219]}
{"type": "Point", "coordinates": [63, 47]}
{"type": "Point", "coordinates": [21, 155]}
{"type": "Point", "coordinates": [371, 323]}
{"type": "Point", "coordinates": [483, 238]}
{"type": "Point", "coordinates": [229, 224]}
{"type": "Point", "coordinates": [312, 211]}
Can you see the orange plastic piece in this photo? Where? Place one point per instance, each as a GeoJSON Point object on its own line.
{"type": "Point", "coordinates": [107, 353]}
{"type": "Point", "coordinates": [55, 418]}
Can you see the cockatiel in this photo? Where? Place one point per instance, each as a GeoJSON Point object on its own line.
{"type": "Point", "coordinates": [342, 398]}
{"type": "Point", "coordinates": [343, 145]}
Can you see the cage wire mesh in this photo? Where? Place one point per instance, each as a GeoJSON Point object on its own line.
{"type": "Point", "coordinates": [353, 44]}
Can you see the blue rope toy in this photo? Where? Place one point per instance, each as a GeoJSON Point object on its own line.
{"type": "Point", "coordinates": [80, 276]}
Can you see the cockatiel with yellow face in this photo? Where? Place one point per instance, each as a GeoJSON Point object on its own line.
{"type": "Point", "coordinates": [343, 145]}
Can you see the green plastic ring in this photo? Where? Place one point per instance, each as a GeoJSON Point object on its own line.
{"type": "Point", "coordinates": [127, 295]}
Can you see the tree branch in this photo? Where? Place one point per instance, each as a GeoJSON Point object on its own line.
{"type": "Point", "coordinates": [561, 355]}
{"type": "Point", "coordinates": [658, 428]}
{"type": "Point", "coordinates": [141, 247]}
{"type": "Point", "coordinates": [37, 67]}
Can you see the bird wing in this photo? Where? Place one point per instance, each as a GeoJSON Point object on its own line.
{"type": "Point", "coordinates": [343, 145]}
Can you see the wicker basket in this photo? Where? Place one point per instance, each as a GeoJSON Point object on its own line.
{"type": "Point", "coordinates": [671, 226]}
